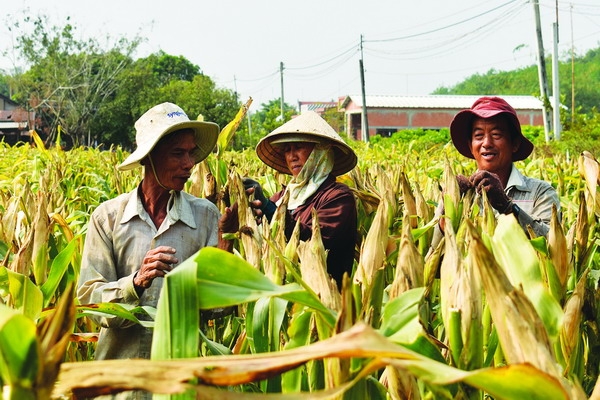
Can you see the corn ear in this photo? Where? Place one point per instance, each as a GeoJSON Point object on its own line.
{"type": "Point", "coordinates": [313, 267]}
{"type": "Point", "coordinates": [513, 313]}
{"type": "Point", "coordinates": [409, 265]}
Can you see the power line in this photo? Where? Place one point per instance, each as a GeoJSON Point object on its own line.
{"type": "Point", "coordinates": [441, 28]}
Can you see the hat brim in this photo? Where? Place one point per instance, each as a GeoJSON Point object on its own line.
{"type": "Point", "coordinates": [269, 151]}
{"type": "Point", "coordinates": [461, 131]}
{"type": "Point", "coordinates": [205, 134]}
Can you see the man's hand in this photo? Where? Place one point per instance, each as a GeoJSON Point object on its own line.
{"type": "Point", "coordinates": [157, 262]}
{"type": "Point", "coordinates": [229, 221]}
{"type": "Point", "coordinates": [494, 189]}
{"type": "Point", "coordinates": [463, 184]}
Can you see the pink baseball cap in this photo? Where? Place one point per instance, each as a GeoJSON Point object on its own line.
{"type": "Point", "coordinates": [487, 107]}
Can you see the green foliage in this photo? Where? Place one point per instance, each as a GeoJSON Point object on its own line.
{"type": "Point", "coordinates": [583, 75]}
{"type": "Point", "coordinates": [419, 139]}
{"type": "Point", "coordinates": [262, 122]}
{"type": "Point", "coordinates": [94, 95]}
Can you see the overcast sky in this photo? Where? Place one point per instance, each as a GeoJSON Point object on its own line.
{"type": "Point", "coordinates": [409, 47]}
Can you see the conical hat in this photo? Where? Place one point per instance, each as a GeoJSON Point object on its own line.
{"type": "Point", "coordinates": [307, 127]}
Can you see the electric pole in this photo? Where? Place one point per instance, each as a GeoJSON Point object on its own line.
{"type": "Point", "coordinates": [542, 71]}
{"type": "Point", "coordinates": [555, 79]}
{"type": "Point", "coordinates": [555, 84]}
{"type": "Point", "coordinates": [281, 74]}
{"type": "Point", "coordinates": [364, 126]}
{"type": "Point", "coordinates": [572, 71]}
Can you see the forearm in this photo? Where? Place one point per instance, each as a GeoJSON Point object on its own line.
{"type": "Point", "coordinates": [540, 228]}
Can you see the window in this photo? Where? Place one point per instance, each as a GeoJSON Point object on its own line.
{"type": "Point", "coordinates": [386, 132]}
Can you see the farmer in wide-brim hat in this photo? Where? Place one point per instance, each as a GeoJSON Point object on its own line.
{"type": "Point", "coordinates": [133, 240]}
{"type": "Point", "coordinates": [312, 152]}
{"type": "Point", "coordinates": [490, 133]}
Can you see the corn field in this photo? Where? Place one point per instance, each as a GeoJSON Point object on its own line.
{"type": "Point", "coordinates": [488, 314]}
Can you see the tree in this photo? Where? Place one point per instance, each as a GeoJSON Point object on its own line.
{"type": "Point", "coordinates": [269, 117]}
{"type": "Point", "coordinates": [156, 79]}
{"type": "Point", "coordinates": [4, 85]}
{"type": "Point", "coordinates": [69, 79]}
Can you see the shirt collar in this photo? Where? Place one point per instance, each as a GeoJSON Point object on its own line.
{"type": "Point", "coordinates": [517, 180]}
{"type": "Point", "coordinates": [180, 209]}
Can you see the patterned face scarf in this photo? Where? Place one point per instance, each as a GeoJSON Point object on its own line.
{"type": "Point", "coordinates": [314, 172]}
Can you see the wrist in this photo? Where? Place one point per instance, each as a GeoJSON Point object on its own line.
{"type": "Point", "coordinates": [514, 209]}
{"type": "Point", "coordinates": [268, 209]}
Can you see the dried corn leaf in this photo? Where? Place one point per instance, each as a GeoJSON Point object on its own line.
{"type": "Point", "coordinates": [409, 265]}
{"type": "Point", "coordinates": [513, 313]}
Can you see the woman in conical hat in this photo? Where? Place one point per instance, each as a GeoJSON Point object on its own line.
{"type": "Point", "coordinates": [311, 151]}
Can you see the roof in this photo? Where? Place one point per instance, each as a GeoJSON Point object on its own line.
{"type": "Point", "coordinates": [316, 105]}
{"type": "Point", "coordinates": [440, 101]}
{"type": "Point", "coordinates": [8, 100]}
{"type": "Point", "coordinates": [11, 125]}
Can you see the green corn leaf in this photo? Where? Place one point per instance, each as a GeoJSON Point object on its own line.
{"type": "Point", "coordinates": [519, 261]}
{"type": "Point", "coordinates": [225, 280]}
{"type": "Point", "coordinates": [19, 350]}
{"type": "Point", "coordinates": [27, 297]}
{"type": "Point", "coordinates": [106, 310]}
{"type": "Point", "coordinates": [59, 267]}
{"type": "Point", "coordinates": [227, 133]}
{"type": "Point", "coordinates": [267, 318]}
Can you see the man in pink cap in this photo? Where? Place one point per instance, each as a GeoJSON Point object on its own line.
{"type": "Point", "coordinates": [490, 133]}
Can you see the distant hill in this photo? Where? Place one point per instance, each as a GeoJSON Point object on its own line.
{"type": "Point", "coordinates": [525, 82]}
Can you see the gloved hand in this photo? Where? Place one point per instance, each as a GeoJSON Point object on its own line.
{"type": "Point", "coordinates": [463, 184]}
{"type": "Point", "coordinates": [251, 186]}
{"type": "Point", "coordinates": [494, 189]}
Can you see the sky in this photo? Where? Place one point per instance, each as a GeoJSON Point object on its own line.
{"type": "Point", "coordinates": [408, 47]}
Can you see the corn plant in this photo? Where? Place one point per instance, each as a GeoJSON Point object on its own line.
{"type": "Point", "coordinates": [489, 312]}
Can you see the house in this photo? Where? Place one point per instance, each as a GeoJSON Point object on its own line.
{"type": "Point", "coordinates": [317, 106]}
{"type": "Point", "coordinates": [389, 114]}
{"type": "Point", "coordinates": [15, 121]}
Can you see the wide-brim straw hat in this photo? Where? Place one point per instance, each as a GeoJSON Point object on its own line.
{"type": "Point", "coordinates": [307, 127]}
{"type": "Point", "coordinates": [487, 107]}
{"type": "Point", "coordinates": [161, 120]}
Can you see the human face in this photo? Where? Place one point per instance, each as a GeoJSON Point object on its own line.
{"type": "Point", "coordinates": [173, 158]}
{"type": "Point", "coordinates": [492, 146]}
{"type": "Point", "coordinates": [296, 154]}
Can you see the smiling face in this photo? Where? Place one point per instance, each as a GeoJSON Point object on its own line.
{"type": "Point", "coordinates": [174, 157]}
{"type": "Point", "coordinates": [296, 154]}
{"type": "Point", "coordinates": [492, 145]}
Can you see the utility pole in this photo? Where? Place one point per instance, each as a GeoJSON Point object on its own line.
{"type": "Point", "coordinates": [281, 75]}
{"type": "Point", "coordinates": [555, 79]}
{"type": "Point", "coordinates": [235, 93]}
{"type": "Point", "coordinates": [364, 126]}
{"type": "Point", "coordinates": [542, 70]}
{"type": "Point", "coordinates": [572, 71]}
{"type": "Point", "coordinates": [249, 125]}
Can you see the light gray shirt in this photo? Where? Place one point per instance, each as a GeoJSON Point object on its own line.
{"type": "Point", "coordinates": [119, 234]}
{"type": "Point", "coordinates": [535, 199]}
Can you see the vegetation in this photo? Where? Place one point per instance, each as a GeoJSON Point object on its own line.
{"type": "Point", "coordinates": [580, 78]}
{"type": "Point", "coordinates": [489, 313]}
{"type": "Point", "coordinates": [92, 92]}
